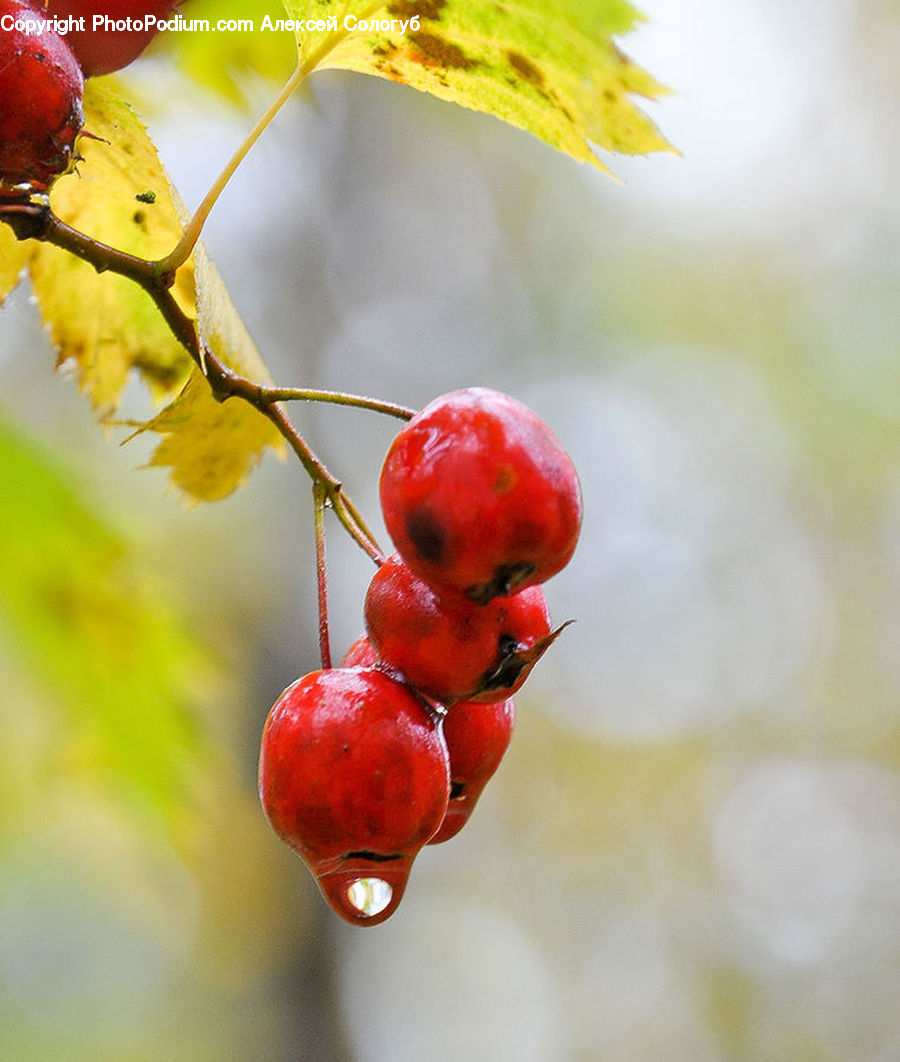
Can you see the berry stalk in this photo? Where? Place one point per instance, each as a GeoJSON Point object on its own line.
{"type": "Point", "coordinates": [321, 575]}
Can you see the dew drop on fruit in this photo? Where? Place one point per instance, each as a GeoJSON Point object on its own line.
{"type": "Point", "coordinates": [364, 891]}
{"type": "Point", "coordinates": [370, 896]}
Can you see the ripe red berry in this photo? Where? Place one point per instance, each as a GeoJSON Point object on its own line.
{"type": "Point", "coordinates": [449, 648]}
{"type": "Point", "coordinates": [353, 775]}
{"type": "Point", "coordinates": [40, 102]}
{"type": "Point", "coordinates": [477, 736]}
{"type": "Point", "coordinates": [360, 654]}
{"type": "Point", "coordinates": [479, 495]}
{"type": "Point", "coordinates": [110, 39]}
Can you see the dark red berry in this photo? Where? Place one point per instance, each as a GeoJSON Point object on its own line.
{"type": "Point", "coordinates": [353, 775]}
{"type": "Point", "coordinates": [479, 495]}
{"type": "Point", "coordinates": [115, 31]}
{"type": "Point", "coordinates": [477, 736]}
{"type": "Point", "coordinates": [447, 647]}
{"type": "Point", "coordinates": [40, 102]}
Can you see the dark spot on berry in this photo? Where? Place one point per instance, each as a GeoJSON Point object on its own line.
{"type": "Point", "coordinates": [426, 535]}
{"type": "Point", "coordinates": [508, 579]}
{"type": "Point", "coordinates": [375, 857]}
{"type": "Point", "coordinates": [456, 790]}
{"type": "Point", "coordinates": [139, 217]}
{"type": "Point", "coordinates": [505, 479]}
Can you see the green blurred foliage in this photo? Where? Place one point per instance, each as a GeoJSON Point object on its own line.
{"type": "Point", "coordinates": [82, 621]}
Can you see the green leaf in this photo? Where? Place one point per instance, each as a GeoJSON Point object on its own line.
{"type": "Point", "coordinates": [104, 324]}
{"type": "Point", "coordinates": [115, 673]}
{"type": "Point", "coordinates": [551, 67]}
{"type": "Point", "coordinates": [13, 258]}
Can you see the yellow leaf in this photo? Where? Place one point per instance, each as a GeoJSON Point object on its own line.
{"type": "Point", "coordinates": [13, 258]}
{"type": "Point", "coordinates": [121, 196]}
{"type": "Point", "coordinates": [107, 325]}
{"type": "Point", "coordinates": [211, 446]}
{"type": "Point", "coordinates": [550, 67]}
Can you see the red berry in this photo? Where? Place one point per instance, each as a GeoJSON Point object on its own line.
{"type": "Point", "coordinates": [360, 654]}
{"type": "Point", "coordinates": [40, 102]}
{"type": "Point", "coordinates": [477, 736]}
{"type": "Point", "coordinates": [479, 495]}
{"type": "Point", "coordinates": [353, 775]}
{"type": "Point", "coordinates": [449, 648]}
{"type": "Point", "coordinates": [112, 41]}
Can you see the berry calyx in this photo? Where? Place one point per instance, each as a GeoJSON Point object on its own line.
{"type": "Point", "coordinates": [115, 31]}
{"type": "Point", "coordinates": [354, 777]}
{"type": "Point", "coordinates": [479, 496]}
{"type": "Point", "coordinates": [41, 113]}
{"type": "Point", "coordinates": [445, 646]}
{"type": "Point", "coordinates": [477, 737]}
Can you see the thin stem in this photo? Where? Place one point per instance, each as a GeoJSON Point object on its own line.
{"type": "Point", "coordinates": [182, 251]}
{"type": "Point", "coordinates": [356, 518]}
{"type": "Point", "coordinates": [318, 473]}
{"type": "Point", "coordinates": [338, 398]}
{"type": "Point", "coordinates": [321, 573]}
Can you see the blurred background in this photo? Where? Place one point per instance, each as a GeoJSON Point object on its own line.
{"type": "Point", "coordinates": [692, 848]}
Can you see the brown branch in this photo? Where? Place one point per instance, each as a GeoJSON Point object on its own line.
{"type": "Point", "coordinates": [35, 220]}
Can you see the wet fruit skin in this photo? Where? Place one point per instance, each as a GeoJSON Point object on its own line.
{"type": "Point", "coordinates": [446, 646]}
{"type": "Point", "coordinates": [360, 654]}
{"type": "Point", "coordinates": [477, 737]}
{"type": "Point", "coordinates": [354, 776]}
{"type": "Point", "coordinates": [102, 51]}
{"type": "Point", "coordinates": [41, 88]}
{"type": "Point", "coordinates": [479, 496]}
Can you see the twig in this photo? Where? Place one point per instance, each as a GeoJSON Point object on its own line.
{"type": "Point", "coordinates": [321, 575]}
{"type": "Point", "coordinates": [35, 220]}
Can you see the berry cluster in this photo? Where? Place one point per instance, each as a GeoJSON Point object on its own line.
{"type": "Point", "coordinates": [47, 49]}
{"type": "Point", "coordinates": [364, 764]}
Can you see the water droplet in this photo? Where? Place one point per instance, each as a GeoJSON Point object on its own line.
{"type": "Point", "coordinates": [364, 892]}
{"type": "Point", "coordinates": [370, 896]}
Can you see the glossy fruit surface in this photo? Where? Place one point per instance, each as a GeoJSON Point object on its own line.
{"type": "Point", "coordinates": [40, 103]}
{"type": "Point", "coordinates": [111, 45]}
{"type": "Point", "coordinates": [479, 496]}
{"type": "Point", "coordinates": [446, 646]}
{"type": "Point", "coordinates": [354, 776]}
{"type": "Point", "coordinates": [477, 737]}
{"type": "Point", "coordinates": [360, 654]}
